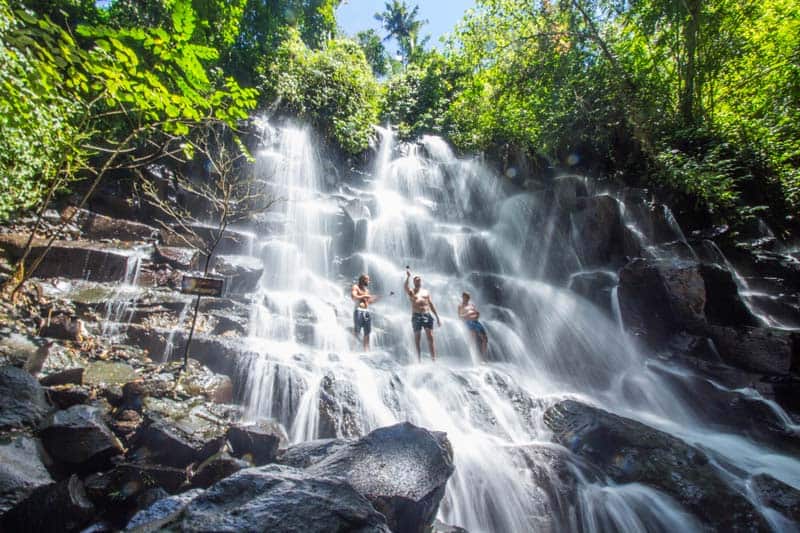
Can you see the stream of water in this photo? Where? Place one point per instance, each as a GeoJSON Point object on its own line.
{"type": "Point", "coordinates": [452, 222]}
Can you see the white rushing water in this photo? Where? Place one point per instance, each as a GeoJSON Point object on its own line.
{"type": "Point", "coordinates": [450, 220]}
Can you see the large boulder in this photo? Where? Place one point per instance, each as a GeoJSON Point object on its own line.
{"type": "Point", "coordinates": [56, 507]}
{"type": "Point", "coordinates": [180, 433]}
{"type": "Point", "coordinates": [242, 273]}
{"type": "Point", "coordinates": [217, 467]}
{"type": "Point", "coordinates": [402, 470]}
{"type": "Point", "coordinates": [79, 440]}
{"type": "Point", "coordinates": [161, 513]}
{"type": "Point", "coordinates": [771, 351]}
{"type": "Point", "coordinates": [597, 231]}
{"type": "Point", "coordinates": [627, 451]}
{"type": "Point", "coordinates": [87, 260]}
{"type": "Point", "coordinates": [338, 409]}
{"type": "Point", "coordinates": [660, 298]}
{"type": "Point", "coordinates": [22, 399]}
{"type": "Point", "coordinates": [272, 498]}
{"type": "Point", "coordinates": [724, 306]}
{"type": "Point", "coordinates": [257, 442]}
{"type": "Point", "coordinates": [778, 495]}
{"type": "Point", "coordinates": [96, 226]}
{"type": "Point", "coordinates": [21, 470]}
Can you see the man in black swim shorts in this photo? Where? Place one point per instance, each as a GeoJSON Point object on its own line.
{"type": "Point", "coordinates": [362, 319]}
{"type": "Point", "coordinates": [421, 308]}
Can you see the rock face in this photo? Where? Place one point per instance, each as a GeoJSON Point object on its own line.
{"type": "Point", "coordinates": [270, 498]}
{"type": "Point", "coordinates": [630, 452]}
{"type": "Point", "coordinates": [660, 298]}
{"type": "Point", "coordinates": [758, 349]}
{"type": "Point", "coordinates": [22, 399]}
{"type": "Point", "coordinates": [79, 439]}
{"type": "Point", "coordinates": [401, 469]}
{"type": "Point", "coordinates": [98, 226]}
{"type": "Point", "coordinates": [259, 442]}
{"type": "Point", "coordinates": [56, 507]}
{"type": "Point", "coordinates": [21, 471]}
{"type": "Point", "coordinates": [242, 272]}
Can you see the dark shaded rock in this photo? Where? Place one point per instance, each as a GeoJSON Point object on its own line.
{"type": "Point", "coordinates": [630, 452]}
{"type": "Point", "coordinates": [778, 495]}
{"type": "Point", "coordinates": [56, 507]}
{"type": "Point", "coordinates": [200, 381]}
{"type": "Point", "coordinates": [22, 399]}
{"type": "Point", "coordinates": [723, 306]}
{"type": "Point", "coordinates": [161, 513]}
{"type": "Point", "coordinates": [65, 396]}
{"type": "Point", "coordinates": [280, 498]}
{"type": "Point", "coordinates": [71, 376]}
{"type": "Point", "coordinates": [338, 409]}
{"type": "Point", "coordinates": [215, 468]}
{"type": "Point", "coordinates": [597, 231]}
{"type": "Point", "coordinates": [177, 434]}
{"type": "Point", "coordinates": [96, 226]}
{"type": "Point", "coordinates": [771, 351]}
{"type": "Point", "coordinates": [232, 241]}
{"type": "Point", "coordinates": [402, 470]}
{"type": "Point", "coordinates": [257, 442]}
{"type": "Point", "coordinates": [597, 287]}
{"type": "Point", "coordinates": [660, 298]}
{"type": "Point", "coordinates": [65, 327]}
{"type": "Point", "coordinates": [305, 454]}
{"type": "Point", "coordinates": [177, 257]}
{"type": "Point", "coordinates": [694, 346]}
{"type": "Point", "coordinates": [21, 470]}
{"type": "Point", "coordinates": [568, 189]}
{"type": "Point", "coordinates": [79, 439]}
{"type": "Point", "coordinates": [91, 261]}
{"type": "Point", "coordinates": [242, 273]}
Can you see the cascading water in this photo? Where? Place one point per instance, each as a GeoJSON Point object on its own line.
{"type": "Point", "coordinates": [449, 219]}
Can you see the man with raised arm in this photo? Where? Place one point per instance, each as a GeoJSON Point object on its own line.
{"type": "Point", "coordinates": [362, 319]}
{"type": "Point", "coordinates": [470, 315]}
{"type": "Point", "coordinates": [421, 308]}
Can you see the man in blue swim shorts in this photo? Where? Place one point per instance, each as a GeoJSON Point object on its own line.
{"type": "Point", "coordinates": [421, 308]}
{"type": "Point", "coordinates": [470, 315]}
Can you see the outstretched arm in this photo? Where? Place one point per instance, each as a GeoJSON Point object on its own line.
{"type": "Point", "coordinates": [433, 308]}
{"type": "Point", "coordinates": [408, 289]}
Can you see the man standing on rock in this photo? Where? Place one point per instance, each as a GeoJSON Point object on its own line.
{"type": "Point", "coordinates": [362, 319]}
{"type": "Point", "coordinates": [470, 315]}
{"type": "Point", "coordinates": [421, 307]}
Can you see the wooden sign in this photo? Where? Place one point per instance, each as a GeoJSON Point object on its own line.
{"type": "Point", "coordinates": [202, 286]}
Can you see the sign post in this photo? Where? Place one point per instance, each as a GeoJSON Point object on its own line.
{"type": "Point", "coordinates": [201, 286]}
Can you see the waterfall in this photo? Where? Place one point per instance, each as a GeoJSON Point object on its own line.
{"type": "Point", "coordinates": [449, 219]}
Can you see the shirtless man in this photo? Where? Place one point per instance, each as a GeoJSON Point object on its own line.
{"type": "Point", "coordinates": [470, 315]}
{"type": "Point", "coordinates": [362, 319]}
{"type": "Point", "coordinates": [421, 307]}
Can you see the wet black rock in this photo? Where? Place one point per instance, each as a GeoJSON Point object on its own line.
{"type": "Point", "coordinates": [597, 232]}
{"type": "Point", "coordinates": [176, 256]}
{"type": "Point", "coordinates": [215, 468]}
{"type": "Point", "coordinates": [278, 498]}
{"type": "Point", "coordinates": [724, 306]}
{"type": "Point", "coordinates": [242, 273]}
{"type": "Point", "coordinates": [21, 470]}
{"type": "Point", "coordinates": [597, 287]}
{"type": "Point", "coordinates": [305, 454]}
{"type": "Point", "coordinates": [258, 442]}
{"type": "Point", "coordinates": [777, 495]}
{"type": "Point", "coordinates": [630, 452]}
{"type": "Point", "coordinates": [661, 298]}
{"type": "Point", "coordinates": [338, 409]}
{"type": "Point", "coordinates": [22, 399]}
{"type": "Point", "coordinates": [53, 508]}
{"type": "Point", "coordinates": [771, 351]}
{"type": "Point", "coordinates": [161, 513]}
{"type": "Point", "coordinates": [65, 396]}
{"type": "Point", "coordinates": [79, 440]}
{"type": "Point", "coordinates": [401, 469]}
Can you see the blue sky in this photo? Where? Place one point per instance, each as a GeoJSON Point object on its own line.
{"type": "Point", "coordinates": [442, 15]}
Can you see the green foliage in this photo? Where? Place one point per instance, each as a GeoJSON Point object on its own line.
{"type": "Point", "coordinates": [332, 88]}
{"type": "Point", "coordinates": [114, 90]}
{"type": "Point", "coordinates": [374, 51]}
{"type": "Point", "coordinates": [402, 23]}
{"type": "Point", "coordinates": [37, 124]}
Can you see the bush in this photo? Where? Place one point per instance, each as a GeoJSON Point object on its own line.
{"type": "Point", "coordinates": [333, 88]}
